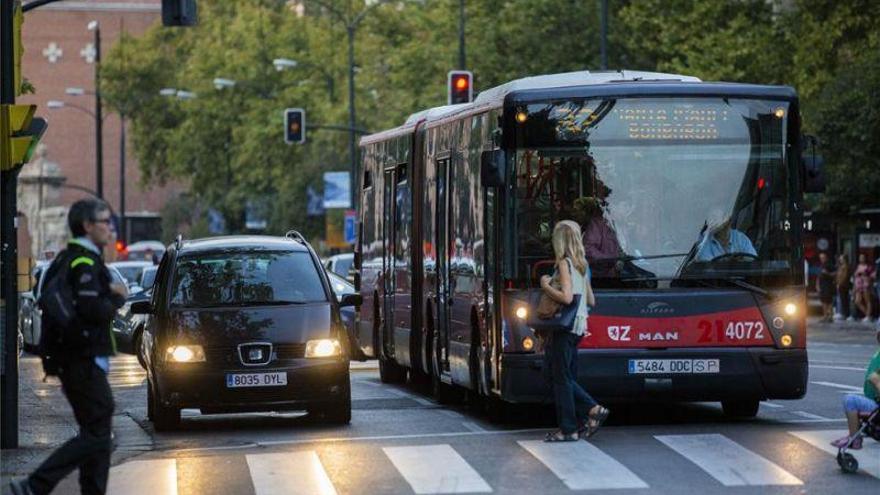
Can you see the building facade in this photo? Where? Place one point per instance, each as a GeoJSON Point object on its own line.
{"type": "Point", "coordinates": [59, 53]}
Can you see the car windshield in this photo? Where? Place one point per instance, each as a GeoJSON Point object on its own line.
{"type": "Point", "coordinates": [242, 278]}
{"type": "Point", "coordinates": [661, 188]}
{"type": "Point", "coordinates": [340, 285]}
{"type": "Point", "coordinates": [342, 265]}
{"type": "Point", "coordinates": [148, 277]}
{"type": "Point", "coordinates": [131, 273]}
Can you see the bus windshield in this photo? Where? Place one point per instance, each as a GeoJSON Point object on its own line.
{"type": "Point", "coordinates": [663, 188]}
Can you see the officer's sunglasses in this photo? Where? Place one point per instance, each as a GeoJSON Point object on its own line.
{"type": "Point", "coordinates": [105, 221]}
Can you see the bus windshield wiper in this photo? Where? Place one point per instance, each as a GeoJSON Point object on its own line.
{"type": "Point", "coordinates": [630, 257]}
{"type": "Point", "coordinates": [732, 281]}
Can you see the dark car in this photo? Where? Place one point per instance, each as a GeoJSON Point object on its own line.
{"type": "Point", "coordinates": [128, 326]}
{"type": "Point", "coordinates": [244, 323]}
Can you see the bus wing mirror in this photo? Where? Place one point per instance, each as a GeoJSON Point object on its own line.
{"type": "Point", "coordinates": [813, 167]}
{"type": "Point", "coordinates": [492, 168]}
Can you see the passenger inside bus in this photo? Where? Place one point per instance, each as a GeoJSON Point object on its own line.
{"type": "Point", "coordinates": [600, 240]}
{"type": "Point", "coordinates": [721, 240]}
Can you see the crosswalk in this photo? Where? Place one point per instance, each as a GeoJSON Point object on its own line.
{"type": "Point", "coordinates": [486, 467]}
{"type": "Point", "coordinates": [126, 372]}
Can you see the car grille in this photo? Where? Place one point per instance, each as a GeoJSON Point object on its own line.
{"type": "Point", "coordinates": [224, 356]}
{"type": "Point", "coordinates": [290, 351]}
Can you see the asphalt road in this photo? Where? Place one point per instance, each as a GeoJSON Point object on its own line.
{"type": "Point", "coordinates": [401, 441]}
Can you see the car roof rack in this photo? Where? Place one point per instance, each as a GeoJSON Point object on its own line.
{"type": "Point", "coordinates": [294, 235]}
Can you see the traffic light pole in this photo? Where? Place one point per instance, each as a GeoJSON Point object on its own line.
{"type": "Point", "coordinates": [9, 255]}
{"type": "Point", "coordinates": [123, 228]}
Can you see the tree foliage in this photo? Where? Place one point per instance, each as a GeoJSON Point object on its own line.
{"type": "Point", "coordinates": [228, 144]}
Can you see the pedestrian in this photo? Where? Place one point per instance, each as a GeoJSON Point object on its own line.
{"type": "Point", "coordinates": [844, 285]}
{"type": "Point", "coordinates": [573, 403]}
{"type": "Point", "coordinates": [825, 283]}
{"type": "Point", "coordinates": [84, 362]}
{"type": "Point", "coordinates": [864, 282]}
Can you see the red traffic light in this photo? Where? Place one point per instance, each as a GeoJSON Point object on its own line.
{"type": "Point", "coordinates": [460, 86]}
{"type": "Point", "coordinates": [120, 247]}
{"type": "Point", "coordinates": [294, 126]}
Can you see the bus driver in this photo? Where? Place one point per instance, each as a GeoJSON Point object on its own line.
{"type": "Point", "coordinates": [721, 239]}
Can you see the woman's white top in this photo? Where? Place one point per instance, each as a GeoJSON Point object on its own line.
{"type": "Point", "coordinates": [579, 286]}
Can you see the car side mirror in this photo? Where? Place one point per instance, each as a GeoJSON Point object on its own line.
{"type": "Point", "coordinates": [141, 308]}
{"type": "Point", "coordinates": [492, 168]}
{"type": "Point", "coordinates": [351, 300]}
{"type": "Point", "coordinates": [813, 166]}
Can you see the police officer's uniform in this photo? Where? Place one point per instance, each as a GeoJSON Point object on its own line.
{"type": "Point", "coordinates": [83, 373]}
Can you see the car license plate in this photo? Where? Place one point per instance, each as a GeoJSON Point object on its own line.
{"type": "Point", "coordinates": [650, 366]}
{"type": "Point", "coordinates": [235, 380]}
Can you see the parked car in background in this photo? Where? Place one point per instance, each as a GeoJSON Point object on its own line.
{"type": "Point", "coordinates": [132, 271]}
{"type": "Point", "coordinates": [128, 327]}
{"type": "Point", "coordinates": [342, 287]}
{"type": "Point", "coordinates": [30, 316]}
{"type": "Point", "coordinates": [341, 264]}
{"type": "Point", "coordinates": [28, 312]}
{"type": "Point", "coordinates": [145, 251]}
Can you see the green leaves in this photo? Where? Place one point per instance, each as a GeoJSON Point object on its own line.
{"type": "Point", "coordinates": [227, 146]}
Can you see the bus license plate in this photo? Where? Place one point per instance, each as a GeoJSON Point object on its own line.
{"type": "Point", "coordinates": [649, 366]}
{"type": "Point", "coordinates": [235, 380]}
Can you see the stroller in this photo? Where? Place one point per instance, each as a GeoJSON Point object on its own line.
{"type": "Point", "coordinates": [869, 426]}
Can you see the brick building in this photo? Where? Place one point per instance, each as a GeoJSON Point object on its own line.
{"type": "Point", "coordinates": [59, 53]}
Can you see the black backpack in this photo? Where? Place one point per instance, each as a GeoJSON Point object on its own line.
{"type": "Point", "coordinates": [59, 312]}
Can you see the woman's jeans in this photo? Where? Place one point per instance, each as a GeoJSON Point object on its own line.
{"type": "Point", "coordinates": [573, 403]}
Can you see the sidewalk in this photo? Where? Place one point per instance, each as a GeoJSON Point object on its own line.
{"type": "Point", "coordinates": [46, 421]}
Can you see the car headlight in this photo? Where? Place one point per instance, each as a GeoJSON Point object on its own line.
{"type": "Point", "coordinates": [323, 348]}
{"type": "Point", "coordinates": [185, 354]}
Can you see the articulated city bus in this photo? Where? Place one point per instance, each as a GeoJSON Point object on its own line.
{"type": "Point", "coordinates": [689, 195]}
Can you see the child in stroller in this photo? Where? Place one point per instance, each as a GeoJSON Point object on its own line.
{"type": "Point", "coordinates": [869, 426]}
{"type": "Point", "coordinates": [862, 415]}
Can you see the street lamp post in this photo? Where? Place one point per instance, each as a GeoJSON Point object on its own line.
{"type": "Point", "coordinates": [351, 25]}
{"type": "Point", "coordinates": [99, 139]}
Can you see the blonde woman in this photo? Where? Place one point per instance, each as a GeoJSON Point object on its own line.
{"type": "Point", "coordinates": [573, 403]}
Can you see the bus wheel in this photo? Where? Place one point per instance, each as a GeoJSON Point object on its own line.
{"type": "Point", "coordinates": [390, 371]}
{"type": "Point", "coordinates": [740, 408]}
{"type": "Point", "coordinates": [444, 392]}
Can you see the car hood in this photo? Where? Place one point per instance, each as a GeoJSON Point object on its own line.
{"type": "Point", "coordinates": [290, 324]}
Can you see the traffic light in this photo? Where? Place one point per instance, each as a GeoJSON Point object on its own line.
{"type": "Point", "coordinates": [19, 134]}
{"type": "Point", "coordinates": [461, 86]}
{"type": "Point", "coordinates": [179, 13]}
{"type": "Point", "coordinates": [294, 126]}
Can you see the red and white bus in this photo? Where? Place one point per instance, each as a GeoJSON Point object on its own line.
{"type": "Point", "coordinates": [690, 197]}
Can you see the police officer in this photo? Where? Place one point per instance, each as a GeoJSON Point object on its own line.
{"type": "Point", "coordinates": [83, 369]}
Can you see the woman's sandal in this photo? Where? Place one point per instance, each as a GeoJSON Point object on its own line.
{"type": "Point", "coordinates": [596, 421]}
{"type": "Point", "coordinates": [558, 436]}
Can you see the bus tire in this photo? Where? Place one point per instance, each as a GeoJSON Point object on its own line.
{"type": "Point", "coordinates": [747, 408]}
{"type": "Point", "coordinates": [496, 409]}
{"type": "Point", "coordinates": [390, 371]}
